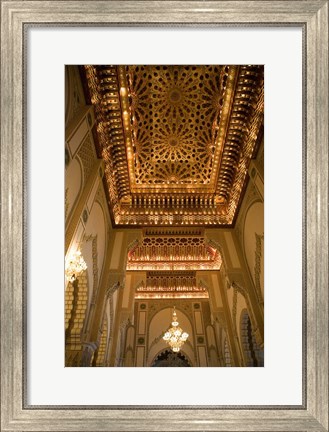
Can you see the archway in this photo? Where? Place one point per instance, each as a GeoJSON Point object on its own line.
{"type": "Point", "coordinates": [253, 353]}
{"type": "Point", "coordinates": [168, 358]}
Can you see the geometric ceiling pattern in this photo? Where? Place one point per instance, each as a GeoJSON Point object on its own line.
{"type": "Point", "coordinates": [176, 140]}
{"type": "Point", "coordinates": [174, 121]}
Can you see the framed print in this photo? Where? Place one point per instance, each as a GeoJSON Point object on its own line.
{"type": "Point", "coordinates": [167, 164]}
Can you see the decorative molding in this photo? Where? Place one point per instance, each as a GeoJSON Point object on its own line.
{"type": "Point", "coordinates": [67, 204]}
{"type": "Point", "coordinates": [258, 267]}
{"type": "Point", "coordinates": [102, 342]}
{"type": "Point", "coordinates": [173, 231]}
{"type": "Point", "coordinates": [93, 239]}
{"type": "Point", "coordinates": [228, 359]}
{"type": "Point", "coordinates": [111, 290]}
{"type": "Point", "coordinates": [100, 196]}
{"type": "Point", "coordinates": [111, 318]}
{"type": "Point", "coordinates": [174, 253]}
{"type": "Point", "coordinates": [251, 196]}
{"type": "Point", "coordinates": [239, 288]}
{"type": "Point", "coordinates": [155, 341]}
{"type": "Point", "coordinates": [183, 282]}
{"type": "Point", "coordinates": [119, 359]}
{"type": "Point", "coordinates": [133, 245]}
{"type": "Point", "coordinates": [234, 311]}
{"type": "Point", "coordinates": [87, 156]}
{"type": "Point", "coordinates": [260, 160]}
{"type": "Point", "coordinates": [217, 246]}
{"type": "Point", "coordinates": [254, 325]}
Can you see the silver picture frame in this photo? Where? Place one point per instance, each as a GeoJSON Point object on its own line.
{"type": "Point", "coordinates": [16, 17]}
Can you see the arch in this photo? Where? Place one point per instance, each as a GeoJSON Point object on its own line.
{"type": "Point", "coordinates": [94, 246]}
{"type": "Point", "coordinates": [159, 323]}
{"type": "Point", "coordinates": [167, 358]}
{"type": "Point", "coordinates": [178, 309]}
{"type": "Point", "coordinates": [240, 302]}
{"type": "Point", "coordinates": [253, 353]}
{"type": "Point", "coordinates": [129, 358]}
{"type": "Point", "coordinates": [253, 244]}
{"type": "Point", "coordinates": [73, 185]}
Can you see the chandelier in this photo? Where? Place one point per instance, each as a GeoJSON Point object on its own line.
{"type": "Point", "coordinates": [174, 336]}
{"type": "Point", "coordinates": [74, 265]}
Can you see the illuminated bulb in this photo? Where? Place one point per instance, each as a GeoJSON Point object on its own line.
{"type": "Point", "coordinates": [123, 91]}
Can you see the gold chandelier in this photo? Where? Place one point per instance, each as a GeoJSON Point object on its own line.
{"type": "Point", "coordinates": [174, 336]}
{"type": "Point", "coordinates": [74, 265]}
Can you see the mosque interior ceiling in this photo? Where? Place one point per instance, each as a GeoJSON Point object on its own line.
{"type": "Point", "coordinates": [177, 141]}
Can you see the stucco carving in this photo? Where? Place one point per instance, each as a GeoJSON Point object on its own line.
{"type": "Point", "coordinates": [234, 307]}
{"type": "Point", "coordinates": [254, 325]}
{"type": "Point", "coordinates": [155, 341]}
{"type": "Point", "coordinates": [122, 339]}
{"type": "Point", "coordinates": [87, 156]}
{"type": "Point", "coordinates": [67, 204]}
{"type": "Point", "coordinates": [258, 267]}
{"type": "Point", "coordinates": [93, 240]}
{"type": "Point", "coordinates": [174, 253]}
{"type": "Point", "coordinates": [111, 290]}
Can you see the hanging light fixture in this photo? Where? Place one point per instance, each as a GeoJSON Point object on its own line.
{"type": "Point", "coordinates": [174, 336]}
{"type": "Point", "coordinates": [74, 265]}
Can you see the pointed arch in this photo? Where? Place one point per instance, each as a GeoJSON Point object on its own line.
{"type": "Point", "coordinates": [253, 353]}
{"type": "Point", "coordinates": [166, 358]}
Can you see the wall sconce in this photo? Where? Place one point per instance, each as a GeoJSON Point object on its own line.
{"type": "Point", "coordinates": [74, 265]}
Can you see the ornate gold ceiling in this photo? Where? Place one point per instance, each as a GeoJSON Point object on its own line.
{"type": "Point", "coordinates": [176, 140]}
{"type": "Point", "coordinates": [174, 250]}
{"type": "Point", "coordinates": [171, 285]}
